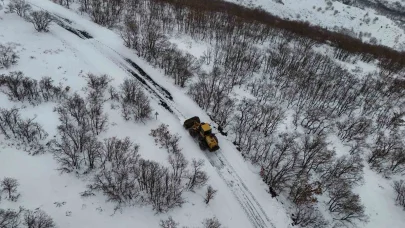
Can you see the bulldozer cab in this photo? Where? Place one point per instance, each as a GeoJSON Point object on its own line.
{"type": "Point", "coordinates": [203, 132]}
{"type": "Point", "coordinates": [205, 129]}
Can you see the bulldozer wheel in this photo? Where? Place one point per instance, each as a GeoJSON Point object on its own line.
{"type": "Point", "coordinates": [202, 145]}
{"type": "Point", "coordinates": [192, 132]}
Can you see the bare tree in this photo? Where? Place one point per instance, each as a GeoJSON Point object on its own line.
{"type": "Point", "coordinates": [168, 223]}
{"type": "Point", "coordinates": [9, 185]}
{"type": "Point", "coordinates": [38, 219]}
{"type": "Point", "coordinates": [75, 142]}
{"type": "Point", "coordinates": [178, 164]}
{"type": "Point", "coordinates": [387, 154]}
{"type": "Point", "coordinates": [211, 223]}
{"type": "Point", "coordinates": [10, 218]}
{"type": "Point", "coordinates": [308, 216]}
{"type": "Point", "coordinates": [167, 140]}
{"type": "Point", "coordinates": [134, 102]}
{"type": "Point", "coordinates": [8, 56]}
{"type": "Point", "coordinates": [197, 177]}
{"type": "Point", "coordinates": [344, 204]}
{"type": "Point", "coordinates": [210, 194]}
{"type": "Point", "coordinates": [399, 187]}
{"type": "Point", "coordinates": [21, 7]}
{"type": "Point", "coordinates": [98, 120]}
{"type": "Point", "coordinates": [303, 192]}
{"type": "Point", "coordinates": [41, 20]}
{"type": "Point", "coordinates": [119, 152]}
{"type": "Point", "coordinates": [98, 84]}
{"type": "Point", "coordinates": [279, 162]}
{"type": "Point", "coordinates": [345, 168]}
{"type": "Point", "coordinates": [105, 12]}
{"type": "Point", "coordinates": [93, 153]}
{"type": "Point", "coordinates": [118, 178]}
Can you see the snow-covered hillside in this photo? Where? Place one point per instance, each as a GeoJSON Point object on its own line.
{"type": "Point", "coordinates": [75, 46]}
{"type": "Point", "coordinates": [336, 16]}
{"type": "Point", "coordinates": [66, 58]}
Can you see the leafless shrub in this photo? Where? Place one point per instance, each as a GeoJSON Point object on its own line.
{"type": "Point", "coordinates": [119, 152]}
{"type": "Point", "coordinates": [114, 95]}
{"type": "Point", "coordinates": [210, 194]}
{"type": "Point", "coordinates": [105, 12]}
{"type": "Point", "coordinates": [178, 164]}
{"type": "Point", "coordinates": [98, 84]}
{"type": "Point", "coordinates": [25, 131]}
{"type": "Point", "coordinates": [168, 223]}
{"type": "Point", "coordinates": [166, 139]}
{"type": "Point", "coordinates": [98, 120]}
{"type": "Point", "coordinates": [41, 20]}
{"type": "Point", "coordinates": [51, 92]}
{"type": "Point", "coordinates": [211, 223]}
{"type": "Point", "coordinates": [344, 204]}
{"type": "Point", "coordinates": [279, 162]}
{"type": "Point", "coordinates": [8, 56]}
{"type": "Point", "coordinates": [74, 142]}
{"type": "Point", "coordinates": [211, 92]}
{"type": "Point", "coordinates": [10, 218]}
{"type": "Point", "coordinates": [308, 216]}
{"type": "Point", "coordinates": [354, 128]}
{"type": "Point", "coordinates": [345, 168]}
{"type": "Point", "coordinates": [20, 88]}
{"type": "Point", "coordinates": [21, 7]}
{"type": "Point", "coordinates": [134, 102]}
{"type": "Point", "coordinates": [399, 187]}
{"type": "Point", "coordinates": [197, 177]}
{"type": "Point", "coordinates": [387, 154]}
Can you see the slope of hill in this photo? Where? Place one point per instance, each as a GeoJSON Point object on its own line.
{"type": "Point", "coordinates": [366, 23]}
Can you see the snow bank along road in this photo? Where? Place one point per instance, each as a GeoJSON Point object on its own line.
{"type": "Point", "coordinates": [250, 205]}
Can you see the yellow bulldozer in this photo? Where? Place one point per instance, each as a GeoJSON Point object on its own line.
{"type": "Point", "coordinates": [202, 132]}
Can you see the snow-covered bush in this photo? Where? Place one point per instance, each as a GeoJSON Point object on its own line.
{"type": "Point", "coordinates": [134, 102]}
{"type": "Point", "coordinates": [8, 56]}
{"type": "Point", "coordinates": [21, 7]}
{"type": "Point", "coordinates": [41, 20]}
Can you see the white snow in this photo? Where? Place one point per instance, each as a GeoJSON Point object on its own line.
{"type": "Point", "coordinates": [66, 58]}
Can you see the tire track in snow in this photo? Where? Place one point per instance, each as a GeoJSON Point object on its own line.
{"type": "Point", "coordinates": [225, 170]}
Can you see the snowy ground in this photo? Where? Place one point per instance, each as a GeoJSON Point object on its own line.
{"type": "Point", "coordinates": [335, 15]}
{"type": "Point", "coordinates": [242, 195]}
